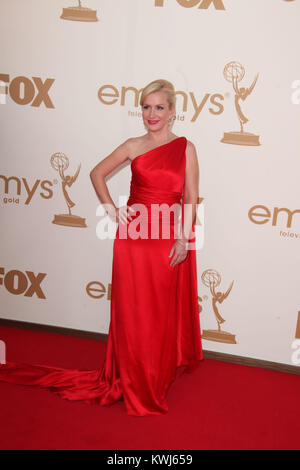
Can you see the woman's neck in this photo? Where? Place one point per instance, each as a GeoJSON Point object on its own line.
{"type": "Point", "coordinates": [160, 137]}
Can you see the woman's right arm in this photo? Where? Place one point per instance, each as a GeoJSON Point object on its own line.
{"type": "Point", "coordinates": [104, 168]}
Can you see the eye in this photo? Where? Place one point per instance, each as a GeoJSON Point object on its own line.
{"type": "Point", "coordinates": [146, 106]}
{"type": "Point", "coordinates": [160, 107]}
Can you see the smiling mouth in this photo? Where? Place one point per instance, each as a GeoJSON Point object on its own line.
{"type": "Point", "coordinates": [152, 122]}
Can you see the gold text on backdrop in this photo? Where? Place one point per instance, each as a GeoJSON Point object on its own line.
{"type": "Point", "coordinates": [260, 214]}
{"type": "Point", "coordinates": [22, 90]}
{"type": "Point", "coordinates": [19, 184]}
{"type": "Point", "coordinates": [16, 282]}
{"type": "Point", "coordinates": [203, 4]}
{"type": "Point", "coordinates": [109, 95]}
{"type": "Point", "coordinates": [97, 290]}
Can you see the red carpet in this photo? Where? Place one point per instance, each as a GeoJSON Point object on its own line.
{"type": "Point", "coordinates": [218, 406]}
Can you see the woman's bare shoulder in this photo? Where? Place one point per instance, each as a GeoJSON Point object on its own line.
{"type": "Point", "coordinates": [134, 144]}
{"type": "Point", "coordinates": [190, 146]}
{"type": "Point", "coordinates": [134, 141]}
{"type": "Point", "coordinates": [191, 152]}
{"type": "Point", "coordinates": [128, 146]}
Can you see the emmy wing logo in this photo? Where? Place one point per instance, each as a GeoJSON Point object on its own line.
{"type": "Point", "coordinates": [79, 13]}
{"type": "Point", "coordinates": [60, 162]}
{"type": "Point", "coordinates": [234, 72]}
{"type": "Point", "coordinates": [212, 279]}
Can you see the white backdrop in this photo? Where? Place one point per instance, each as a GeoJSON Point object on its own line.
{"type": "Point", "coordinates": [64, 88]}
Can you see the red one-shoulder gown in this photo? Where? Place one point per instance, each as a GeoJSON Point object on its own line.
{"type": "Point", "coordinates": [154, 325]}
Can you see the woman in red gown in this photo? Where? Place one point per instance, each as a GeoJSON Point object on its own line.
{"type": "Point", "coordinates": [154, 326]}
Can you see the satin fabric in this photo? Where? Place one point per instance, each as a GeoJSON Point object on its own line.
{"type": "Point", "coordinates": [154, 326]}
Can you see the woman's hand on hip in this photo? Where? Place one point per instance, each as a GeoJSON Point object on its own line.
{"type": "Point", "coordinates": [123, 214]}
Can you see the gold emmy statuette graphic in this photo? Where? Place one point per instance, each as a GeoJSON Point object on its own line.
{"type": "Point", "coordinates": [234, 72]}
{"type": "Point", "coordinates": [79, 13]}
{"type": "Point", "coordinates": [212, 279]}
{"type": "Point", "coordinates": [60, 162]}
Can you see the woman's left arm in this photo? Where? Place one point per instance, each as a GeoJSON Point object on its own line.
{"type": "Point", "coordinates": [191, 190]}
{"type": "Point", "coordinates": [179, 248]}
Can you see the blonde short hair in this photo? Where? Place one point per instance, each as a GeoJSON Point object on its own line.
{"type": "Point", "coordinates": [160, 85]}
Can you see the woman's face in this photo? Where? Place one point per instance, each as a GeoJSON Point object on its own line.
{"type": "Point", "coordinates": [156, 111]}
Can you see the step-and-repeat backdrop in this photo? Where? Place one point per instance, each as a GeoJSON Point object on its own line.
{"type": "Point", "coordinates": [70, 79]}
